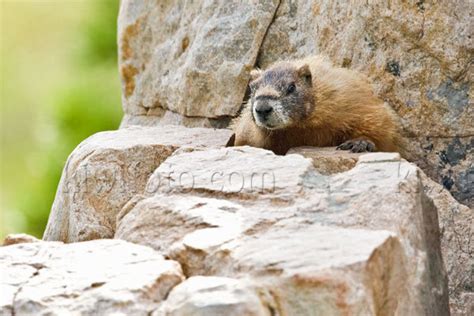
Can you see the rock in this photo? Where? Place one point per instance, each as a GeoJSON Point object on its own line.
{"type": "Point", "coordinates": [327, 160]}
{"type": "Point", "coordinates": [448, 160]}
{"type": "Point", "coordinates": [465, 306]}
{"type": "Point", "coordinates": [192, 58]}
{"type": "Point", "coordinates": [314, 242]}
{"type": "Point", "coordinates": [457, 246]}
{"type": "Point", "coordinates": [101, 277]}
{"type": "Point", "coordinates": [218, 218]}
{"type": "Point", "coordinates": [13, 239]}
{"type": "Point", "coordinates": [456, 221]}
{"type": "Point", "coordinates": [226, 242]}
{"type": "Point", "coordinates": [207, 296]}
{"type": "Point", "coordinates": [106, 170]}
{"type": "Point", "coordinates": [241, 171]}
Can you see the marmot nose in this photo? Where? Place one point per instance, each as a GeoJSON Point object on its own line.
{"type": "Point", "coordinates": [263, 110]}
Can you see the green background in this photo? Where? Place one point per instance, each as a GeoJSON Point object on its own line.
{"type": "Point", "coordinates": [59, 85]}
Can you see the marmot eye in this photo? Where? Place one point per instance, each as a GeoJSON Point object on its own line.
{"type": "Point", "coordinates": [291, 88]}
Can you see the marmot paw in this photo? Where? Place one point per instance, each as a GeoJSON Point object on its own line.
{"type": "Point", "coordinates": [357, 145]}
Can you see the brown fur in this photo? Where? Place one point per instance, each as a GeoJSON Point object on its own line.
{"type": "Point", "coordinates": [341, 106]}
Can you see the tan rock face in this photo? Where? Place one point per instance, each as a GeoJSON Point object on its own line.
{"type": "Point", "coordinates": [239, 171]}
{"type": "Point", "coordinates": [108, 169]}
{"type": "Point", "coordinates": [91, 278]}
{"type": "Point", "coordinates": [190, 57]}
{"type": "Point", "coordinates": [313, 243]}
{"type": "Point", "coordinates": [327, 160]}
{"type": "Point", "coordinates": [457, 239]}
{"type": "Point", "coordinates": [188, 63]}
{"type": "Point", "coordinates": [456, 223]}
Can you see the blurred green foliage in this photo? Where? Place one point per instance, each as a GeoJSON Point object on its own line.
{"type": "Point", "coordinates": [60, 84]}
{"type": "Point", "coordinates": [100, 33]}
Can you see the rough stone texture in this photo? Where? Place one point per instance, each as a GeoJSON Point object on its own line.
{"type": "Point", "coordinates": [189, 57]}
{"type": "Point", "coordinates": [418, 54]}
{"type": "Point", "coordinates": [456, 224]}
{"type": "Point", "coordinates": [207, 295]}
{"type": "Point", "coordinates": [457, 246]}
{"type": "Point", "coordinates": [315, 243]}
{"type": "Point", "coordinates": [106, 170]}
{"type": "Point", "coordinates": [327, 160]}
{"type": "Point", "coordinates": [90, 278]}
{"type": "Point", "coordinates": [450, 162]}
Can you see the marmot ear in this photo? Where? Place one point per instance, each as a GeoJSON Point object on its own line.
{"type": "Point", "coordinates": [305, 73]}
{"type": "Point", "coordinates": [255, 73]}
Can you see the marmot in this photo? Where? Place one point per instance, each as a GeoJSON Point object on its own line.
{"type": "Point", "coordinates": [309, 102]}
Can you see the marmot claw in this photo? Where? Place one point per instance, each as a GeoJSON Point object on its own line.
{"type": "Point", "coordinates": [357, 145]}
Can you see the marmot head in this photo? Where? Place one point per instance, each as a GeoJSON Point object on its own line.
{"type": "Point", "coordinates": [281, 96]}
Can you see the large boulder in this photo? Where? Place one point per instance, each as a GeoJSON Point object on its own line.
{"type": "Point", "coordinates": [101, 277]}
{"type": "Point", "coordinates": [456, 225]}
{"type": "Point", "coordinates": [106, 170]}
{"type": "Point", "coordinates": [457, 246]}
{"type": "Point", "coordinates": [188, 62]}
{"type": "Point", "coordinates": [314, 243]}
